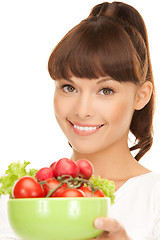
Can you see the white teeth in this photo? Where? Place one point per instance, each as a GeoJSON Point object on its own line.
{"type": "Point", "coordinates": [85, 128]}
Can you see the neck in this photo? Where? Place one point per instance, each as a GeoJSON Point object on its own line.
{"type": "Point", "coordinates": [114, 163]}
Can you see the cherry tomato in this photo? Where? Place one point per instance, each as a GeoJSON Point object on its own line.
{"type": "Point", "coordinates": [71, 192]}
{"type": "Point", "coordinates": [66, 166]}
{"type": "Point", "coordinates": [53, 166]}
{"type": "Point", "coordinates": [88, 192]}
{"type": "Point", "coordinates": [44, 173]}
{"type": "Point", "coordinates": [51, 184]}
{"type": "Point", "coordinates": [98, 193]}
{"type": "Point", "coordinates": [27, 187]}
{"type": "Point", "coordinates": [85, 167]}
{"type": "Point", "coordinates": [59, 191]}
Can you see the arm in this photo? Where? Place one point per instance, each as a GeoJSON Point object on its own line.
{"type": "Point", "coordinates": [113, 230]}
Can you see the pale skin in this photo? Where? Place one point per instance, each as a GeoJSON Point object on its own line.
{"type": "Point", "coordinates": [83, 105]}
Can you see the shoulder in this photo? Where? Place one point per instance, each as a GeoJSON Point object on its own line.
{"type": "Point", "coordinates": [150, 184]}
{"type": "Point", "coordinates": [145, 186]}
{"type": "Point", "coordinates": [155, 186]}
{"type": "Point", "coordinates": [149, 178]}
{"type": "Point", "coordinates": [150, 181]}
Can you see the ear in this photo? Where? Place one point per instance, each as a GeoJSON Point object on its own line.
{"type": "Point", "coordinates": [143, 95]}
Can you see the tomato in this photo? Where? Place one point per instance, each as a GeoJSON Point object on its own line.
{"type": "Point", "coordinates": [99, 193]}
{"type": "Point", "coordinates": [85, 167]}
{"type": "Point", "coordinates": [53, 166]}
{"type": "Point", "coordinates": [27, 187]}
{"type": "Point", "coordinates": [71, 192]}
{"type": "Point", "coordinates": [51, 184]}
{"type": "Point", "coordinates": [59, 191]}
{"type": "Point", "coordinates": [66, 166]}
{"type": "Point", "coordinates": [44, 173]}
{"type": "Point", "coordinates": [88, 192]}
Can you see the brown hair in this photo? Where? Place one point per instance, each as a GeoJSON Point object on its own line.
{"type": "Point", "coordinates": [111, 41]}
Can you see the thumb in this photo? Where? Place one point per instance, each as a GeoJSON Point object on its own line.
{"type": "Point", "coordinates": [107, 224]}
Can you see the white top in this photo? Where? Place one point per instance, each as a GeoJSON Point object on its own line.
{"type": "Point", "coordinates": [137, 208]}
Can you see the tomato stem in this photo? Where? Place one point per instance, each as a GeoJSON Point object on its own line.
{"type": "Point", "coordinates": [52, 191]}
{"type": "Point", "coordinates": [71, 183]}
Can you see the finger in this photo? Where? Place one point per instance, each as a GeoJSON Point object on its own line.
{"type": "Point", "coordinates": [103, 236]}
{"type": "Point", "coordinates": [107, 224]}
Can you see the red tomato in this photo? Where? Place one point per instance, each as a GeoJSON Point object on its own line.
{"type": "Point", "coordinates": [51, 184]}
{"type": "Point", "coordinates": [66, 166]}
{"type": "Point", "coordinates": [44, 173]}
{"type": "Point", "coordinates": [88, 192]}
{"type": "Point", "coordinates": [98, 193]}
{"type": "Point", "coordinates": [27, 187]}
{"type": "Point", "coordinates": [85, 167]}
{"type": "Point", "coordinates": [58, 192]}
{"type": "Point", "coordinates": [71, 192]}
{"type": "Point", "coordinates": [53, 166]}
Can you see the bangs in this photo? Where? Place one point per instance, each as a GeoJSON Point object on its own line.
{"type": "Point", "coordinates": [99, 47]}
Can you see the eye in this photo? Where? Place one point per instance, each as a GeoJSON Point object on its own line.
{"type": "Point", "coordinates": [106, 91]}
{"type": "Point", "coordinates": [68, 88]}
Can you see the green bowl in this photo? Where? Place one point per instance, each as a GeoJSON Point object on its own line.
{"type": "Point", "coordinates": [56, 218]}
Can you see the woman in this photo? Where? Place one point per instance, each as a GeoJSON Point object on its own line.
{"type": "Point", "coordinates": [104, 90]}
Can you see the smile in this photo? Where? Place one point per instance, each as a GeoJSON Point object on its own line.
{"type": "Point", "coordinates": [85, 129]}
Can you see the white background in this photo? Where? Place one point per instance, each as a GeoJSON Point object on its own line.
{"type": "Point", "coordinates": [29, 30]}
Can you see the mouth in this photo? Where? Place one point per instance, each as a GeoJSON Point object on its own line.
{"type": "Point", "coordinates": [85, 129]}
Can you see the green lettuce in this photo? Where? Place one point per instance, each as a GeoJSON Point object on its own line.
{"type": "Point", "coordinates": [15, 171]}
{"type": "Point", "coordinates": [108, 187]}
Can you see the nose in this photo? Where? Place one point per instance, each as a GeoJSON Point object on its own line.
{"type": "Point", "coordinates": [84, 106]}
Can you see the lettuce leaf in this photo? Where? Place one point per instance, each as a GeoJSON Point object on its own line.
{"type": "Point", "coordinates": [15, 171]}
{"type": "Point", "coordinates": [106, 186]}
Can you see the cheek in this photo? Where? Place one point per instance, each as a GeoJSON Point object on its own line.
{"type": "Point", "coordinates": [59, 106]}
{"type": "Point", "coordinates": [56, 104]}
{"type": "Point", "coordinates": [62, 107]}
{"type": "Point", "coordinates": [120, 113]}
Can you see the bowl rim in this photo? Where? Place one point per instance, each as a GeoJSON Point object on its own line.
{"type": "Point", "coordinates": [61, 199]}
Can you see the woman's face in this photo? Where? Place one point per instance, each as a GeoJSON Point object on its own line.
{"type": "Point", "coordinates": [94, 114]}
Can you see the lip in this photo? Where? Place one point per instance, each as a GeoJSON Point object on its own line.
{"type": "Point", "coordinates": [85, 132]}
{"type": "Point", "coordinates": [85, 125]}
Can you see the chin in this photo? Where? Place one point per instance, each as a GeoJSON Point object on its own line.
{"type": "Point", "coordinates": [84, 149]}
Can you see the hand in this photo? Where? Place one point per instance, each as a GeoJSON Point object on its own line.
{"type": "Point", "coordinates": [113, 230]}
